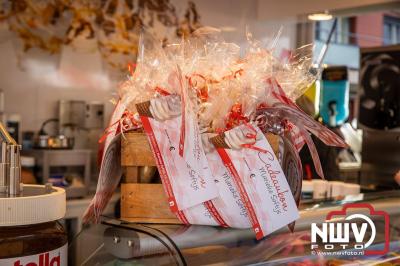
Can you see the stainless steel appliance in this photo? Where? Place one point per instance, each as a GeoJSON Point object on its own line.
{"type": "Point", "coordinates": [44, 140]}
{"type": "Point", "coordinates": [10, 164]}
{"type": "Point", "coordinates": [71, 113]}
{"type": "Point", "coordinates": [56, 142]}
{"type": "Point", "coordinates": [94, 115]}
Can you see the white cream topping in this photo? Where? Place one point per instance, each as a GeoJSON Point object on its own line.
{"type": "Point", "coordinates": [165, 108]}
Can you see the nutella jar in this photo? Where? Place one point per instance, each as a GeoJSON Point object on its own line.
{"type": "Point", "coordinates": [30, 234]}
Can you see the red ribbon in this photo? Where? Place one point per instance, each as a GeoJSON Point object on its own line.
{"type": "Point", "coordinates": [125, 123]}
{"type": "Point", "coordinates": [235, 117]}
{"type": "Point", "coordinates": [254, 137]}
{"type": "Point", "coordinates": [294, 117]}
{"type": "Point", "coordinates": [162, 91]}
{"type": "Point", "coordinates": [131, 68]}
{"type": "Point", "coordinates": [202, 92]}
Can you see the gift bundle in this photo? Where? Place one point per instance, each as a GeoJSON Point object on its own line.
{"type": "Point", "coordinates": [207, 107]}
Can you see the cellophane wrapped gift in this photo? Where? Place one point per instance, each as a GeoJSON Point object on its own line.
{"type": "Point", "coordinates": [205, 105]}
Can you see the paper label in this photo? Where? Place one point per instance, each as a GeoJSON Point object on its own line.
{"type": "Point", "coordinates": [190, 143]}
{"type": "Point", "coordinates": [260, 181]}
{"type": "Point", "coordinates": [56, 257]}
{"type": "Point", "coordinates": [201, 215]}
{"type": "Point", "coordinates": [190, 146]}
{"type": "Point", "coordinates": [185, 187]}
{"type": "Point", "coordinates": [229, 203]}
{"type": "Point", "coordinates": [228, 209]}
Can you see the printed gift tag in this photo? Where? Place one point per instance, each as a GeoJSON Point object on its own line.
{"type": "Point", "coordinates": [227, 210]}
{"type": "Point", "coordinates": [259, 178]}
{"type": "Point", "coordinates": [200, 214]}
{"type": "Point", "coordinates": [229, 204]}
{"type": "Point", "coordinates": [184, 185]}
{"type": "Point", "coordinates": [205, 213]}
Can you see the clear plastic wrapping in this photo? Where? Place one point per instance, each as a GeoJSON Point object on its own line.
{"type": "Point", "coordinates": [224, 89]}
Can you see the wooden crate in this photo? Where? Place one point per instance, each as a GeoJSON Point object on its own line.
{"type": "Point", "coordinates": [141, 201]}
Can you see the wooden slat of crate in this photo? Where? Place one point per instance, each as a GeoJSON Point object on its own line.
{"type": "Point", "coordinates": [135, 150]}
{"type": "Point", "coordinates": [145, 203]}
{"type": "Point", "coordinates": [132, 174]}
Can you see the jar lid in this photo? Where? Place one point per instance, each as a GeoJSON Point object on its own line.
{"type": "Point", "coordinates": [36, 204]}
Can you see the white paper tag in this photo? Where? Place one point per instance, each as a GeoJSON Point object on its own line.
{"type": "Point", "coordinates": [184, 186]}
{"type": "Point", "coordinates": [200, 215]}
{"type": "Point", "coordinates": [190, 145]}
{"type": "Point", "coordinates": [227, 209]}
{"type": "Point", "coordinates": [260, 181]}
{"type": "Point", "coordinates": [229, 203]}
{"type": "Point", "coordinates": [206, 213]}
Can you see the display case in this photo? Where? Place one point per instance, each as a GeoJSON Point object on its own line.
{"type": "Point", "coordinates": [116, 242]}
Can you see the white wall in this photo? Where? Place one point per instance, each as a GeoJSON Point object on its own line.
{"type": "Point", "coordinates": [242, 14]}
{"type": "Point", "coordinates": [34, 93]}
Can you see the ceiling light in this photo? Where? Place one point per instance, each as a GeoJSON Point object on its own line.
{"type": "Point", "coordinates": [320, 16]}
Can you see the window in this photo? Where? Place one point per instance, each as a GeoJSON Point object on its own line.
{"type": "Point", "coordinates": [342, 34]}
{"type": "Point", "coordinates": [391, 30]}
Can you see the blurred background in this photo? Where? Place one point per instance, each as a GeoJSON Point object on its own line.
{"type": "Point", "coordinates": [62, 60]}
